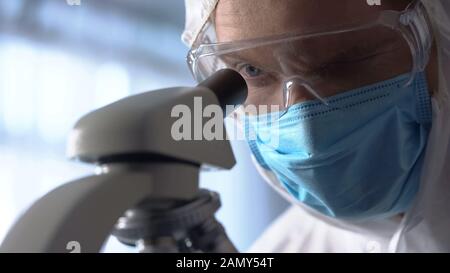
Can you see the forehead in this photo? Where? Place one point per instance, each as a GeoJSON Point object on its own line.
{"type": "Point", "coordinates": [238, 19]}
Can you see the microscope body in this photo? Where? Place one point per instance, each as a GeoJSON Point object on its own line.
{"type": "Point", "coordinates": [139, 166]}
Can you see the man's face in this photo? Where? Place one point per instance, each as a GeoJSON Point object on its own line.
{"type": "Point", "coordinates": [336, 62]}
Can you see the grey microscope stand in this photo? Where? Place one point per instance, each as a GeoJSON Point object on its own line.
{"type": "Point", "coordinates": [130, 142]}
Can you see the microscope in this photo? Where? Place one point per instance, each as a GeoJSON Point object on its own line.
{"type": "Point", "coordinates": [145, 190]}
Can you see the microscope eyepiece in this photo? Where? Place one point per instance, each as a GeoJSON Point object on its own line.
{"type": "Point", "coordinates": [229, 87]}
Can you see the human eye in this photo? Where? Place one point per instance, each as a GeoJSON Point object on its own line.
{"type": "Point", "coordinates": [249, 71]}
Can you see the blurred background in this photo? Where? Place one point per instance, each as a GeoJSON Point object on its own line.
{"type": "Point", "coordinates": [60, 61]}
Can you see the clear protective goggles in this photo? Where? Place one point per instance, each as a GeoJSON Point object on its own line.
{"type": "Point", "coordinates": [283, 70]}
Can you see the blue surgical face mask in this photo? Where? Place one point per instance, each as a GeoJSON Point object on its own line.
{"type": "Point", "coordinates": [358, 157]}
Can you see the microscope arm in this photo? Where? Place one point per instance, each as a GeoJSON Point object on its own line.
{"type": "Point", "coordinates": [85, 211]}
